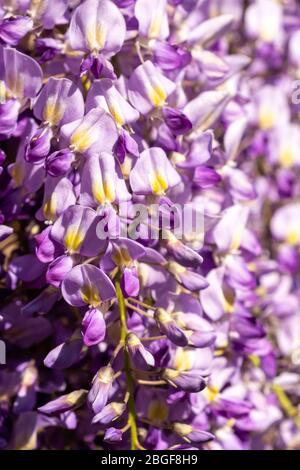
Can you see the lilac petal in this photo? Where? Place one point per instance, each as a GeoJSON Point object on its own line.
{"type": "Point", "coordinates": [97, 26]}
{"type": "Point", "coordinates": [101, 184]}
{"type": "Point", "coordinates": [96, 132]}
{"type": "Point", "coordinates": [66, 354]}
{"type": "Point", "coordinates": [59, 102]}
{"type": "Point", "coordinates": [152, 18]}
{"type": "Point", "coordinates": [153, 173]}
{"type": "Point", "coordinates": [58, 270]}
{"type": "Point", "coordinates": [104, 94]}
{"type": "Point", "coordinates": [25, 84]}
{"type": "Point", "coordinates": [58, 196]}
{"type": "Point", "coordinates": [148, 88]}
{"type": "Point", "coordinates": [9, 112]}
{"type": "Point", "coordinates": [64, 403]}
{"type": "Point", "coordinates": [5, 232]}
{"type": "Point", "coordinates": [76, 229]}
{"type": "Point", "coordinates": [87, 285]}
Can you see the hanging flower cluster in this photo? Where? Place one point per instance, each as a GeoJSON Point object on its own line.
{"type": "Point", "coordinates": [124, 332]}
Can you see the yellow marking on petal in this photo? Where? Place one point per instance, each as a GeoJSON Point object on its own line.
{"type": "Point", "coordinates": [266, 119]}
{"type": "Point", "coordinates": [267, 33]}
{"type": "Point", "coordinates": [211, 392]}
{"type": "Point", "coordinates": [236, 241]}
{"type": "Point", "coordinates": [115, 111]}
{"type": "Point", "coordinates": [118, 408]}
{"type": "Point", "coordinates": [35, 229]}
{"type": "Point", "coordinates": [155, 26]}
{"type": "Point", "coordinates": [109, 191]}
{"type": "Point", "coordinates": [81, 140]}
{"type": "Point", "coordinates": [183, 359]}
{"type": "Point", "coordinates": [182, 429]}
{"type": "Point", "coordinates": [73, 397]}
{"type": "Point", "coordinates": [2, 91]}
{"type": "Point", "coordinates": [157, 95]}
{"type": "Point", "coordinates": [30, 444]}
{"type": "Point", "coordinates": [158, 183]}
{"type": "Point", "coordinates": [29, 376]}
{"type": "Point", "coordinates": [227, 306]}
{"type": "Point", "coordinates": [86, 82]}
{"type": "Point", "coordinates": [254, 359]}
{"type": "Point", "coordinates": [73, 239]}
{"type": "Point", "coordinates": [90, 295]}
{"type": "Point", "coordinates": [37, 7]}
{"type": "Point", "coordinates": [17, 173]}
{"type": "Point", "coordinates": [50, 207]}
{"type": "Point", "coordinates": [287, 157]}
{"type": "Point", "coordinates": [177, 157]}
{"type": "Point", "coordinates": [230, 423]}
{"type": "Point", "coordinates": [53, 111]}
{"type": "Point", "coordinates": [15, 85]}
{"type": "Point", "coordinates": [126, 167]}
{"type": "Point", "coordinates": [219, 352]}
{"type": "Point", "coordinates": [121, 257]}
{"type": "Point", "coordinates": [96, 37]}
{"type": "Point", "coordinates": [157, 411]}
{"type": "Point", "coordinates": [98, 193]}
{"type": "Point", "coordinates": [104, 192]}
{"type": "Point", "coordinates": [293, 237]}
{"type": "Point", "coordinates": [101, 33]}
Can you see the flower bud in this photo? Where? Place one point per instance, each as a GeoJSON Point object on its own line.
{"type": "Point", "coordinates": [191, 280]}
{"type": "Point", "coordinates": [101, 388]}
{"type": "Point", "coordinates": [191, 434]}
{"type": "Point", "coordinates": [93, 327]}
{"type": "Point", "coordinates": [141, 358]}
{"type": "Point", "coordinates": [113, 435]}
{"type": "Point", "coordinates": [110, 412]}
{"type": "Point", "coordinates": [177, 122]}
{"type": "Point", "coordinates": [99, 66]}
{"type": "Point", "coordinates": [39, 145]}
{"type": "Point", "coordinates": [65, 354]}
{"type": "Point", "coordinates": [45, 247]}
{"type": "Point", "coordinates": [59, 163]}
{"type": "Point", "coordinates": [170, 57]}
{"type": "Point", "coordinates": [205, 177]}
{"type": "Point", "coordinates": [58, 270]}
{"type": "Point", "coordinates": [64, 403]}
{"type": "Point", "coordinates": [169, 327]}
{"type": "Point", "coordinates": [188, 381]}
{"type": "Point", "coordinates": [125, 144]}
{"type": "Point", "coordinates": [13, 29]}
{"type": "Point", "coordinates": [130, 283]}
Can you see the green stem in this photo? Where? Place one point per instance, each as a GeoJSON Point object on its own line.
{"type": "Point", "coordinates": [135, 445]}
